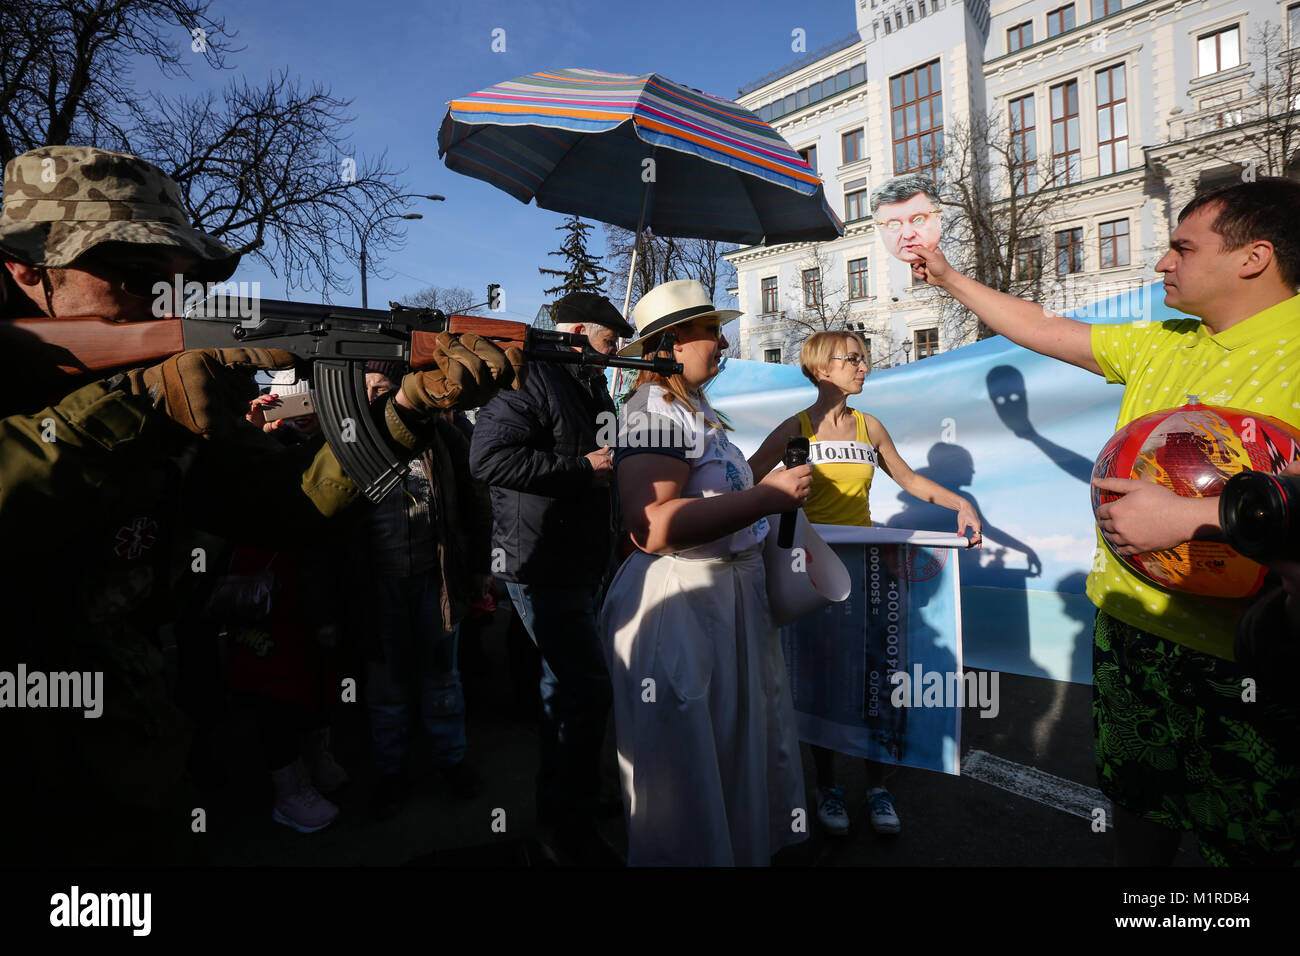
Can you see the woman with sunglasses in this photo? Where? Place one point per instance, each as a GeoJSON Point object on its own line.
{"type": "Point", "coordinates": [853, 444]}
{"type": "Point", "coordinates": [707, 750]}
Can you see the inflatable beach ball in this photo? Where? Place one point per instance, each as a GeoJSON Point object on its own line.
{"type": "Point", "coordinates": [1194, 450]}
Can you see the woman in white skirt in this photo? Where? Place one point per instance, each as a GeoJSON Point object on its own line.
{"type": "Point", "coordinates": [707, 751]}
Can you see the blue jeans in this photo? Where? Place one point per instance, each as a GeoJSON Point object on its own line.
{"type": "Point", "coordinates": [416, 661]}
{"type": "Point", "coordinates": [576, 696]}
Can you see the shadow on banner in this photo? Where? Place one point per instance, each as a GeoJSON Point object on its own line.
{"type": "Point", "coordinates": [901, 618]}
{"type": "Point", "coordinates": [1017, 434]}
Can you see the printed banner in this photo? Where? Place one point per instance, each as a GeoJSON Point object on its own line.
{"type": "Point", "coordinates": [878, 675]}
{"type": "Point", "coordinates": [1014, 432]}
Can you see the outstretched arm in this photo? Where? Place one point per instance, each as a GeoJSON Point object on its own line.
{"type": "Point", "coordinates": [891, 462]}
{"type": "Point", "coordinates": [1024, 323]}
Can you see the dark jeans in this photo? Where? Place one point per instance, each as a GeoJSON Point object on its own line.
{"type": "Point", "coordinates": [576, 696]}
{"type": "Point", "coordinates": [416, 665]}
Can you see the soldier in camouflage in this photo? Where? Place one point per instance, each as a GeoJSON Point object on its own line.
{"type": "Point", "coordinates": [109, 494]}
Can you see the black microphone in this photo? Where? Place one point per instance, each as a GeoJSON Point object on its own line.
{"type": "Point", "coordinates": [796, 454]}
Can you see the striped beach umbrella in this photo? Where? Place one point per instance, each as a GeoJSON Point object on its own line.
{"type": "Point", "coordinates": [638, 151]}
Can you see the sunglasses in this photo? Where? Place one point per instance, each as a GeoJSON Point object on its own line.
{"type": "Point", "coordinates": [134, 278]}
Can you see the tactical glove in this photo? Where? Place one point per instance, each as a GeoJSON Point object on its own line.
{"type": "Point", "coordinates": [206, 390]}
{"type": "Point", "coordinates": [470, 371]}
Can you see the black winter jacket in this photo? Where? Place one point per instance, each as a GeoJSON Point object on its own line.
{"type": "Point", "coordinates": [551, 524]}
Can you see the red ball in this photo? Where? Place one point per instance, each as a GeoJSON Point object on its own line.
{"type": "Point", "coordinates": [1194, 450]}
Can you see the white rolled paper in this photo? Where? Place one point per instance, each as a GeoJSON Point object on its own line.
{"type": "Point", "coordinates": [849, 534]}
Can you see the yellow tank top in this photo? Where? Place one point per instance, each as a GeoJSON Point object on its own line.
{"type": "Point", "coordinates": [842, 472]}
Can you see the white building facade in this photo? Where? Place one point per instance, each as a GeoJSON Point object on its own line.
{"type": "Point", "coordinates": [1137, 105]}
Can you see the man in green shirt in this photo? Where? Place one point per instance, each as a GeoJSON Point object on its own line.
{"type": "Point", "coordinates": [1178, 748]}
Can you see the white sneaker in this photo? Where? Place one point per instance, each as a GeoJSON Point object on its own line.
{"type": "Point", "coordinates": [832, 812]}
{"type": "Point", "coordinates": [884, 818]}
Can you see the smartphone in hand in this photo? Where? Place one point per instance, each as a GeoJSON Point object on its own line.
{"type": "Point", "coordinates": [289, 406]}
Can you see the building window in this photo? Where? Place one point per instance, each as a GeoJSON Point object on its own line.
{"type": "Point", "coordinates": [1114, 243]}
{"type": "Point", "coordinates": [812, 288]}
{"type": "Point", "coordinates": [898, 20]}
{"type": "Point", "coordinates": [1112, 120]}
{"type": "Point", "coordinates": [1104, 8]}
{"type": "Point", "coordinates": [809, 95]}
{"type": "Point", "coordinates": [911, 18]}
{"type": "Point", "coordinates": [769, 295]}
{"type": "Point", "coordinates": [916, 99]}
{"type": "Point", "coordinates": [772, 355]}
{"type": "Point", "coordinates": [855, 200]}
{"type": "Point", "coordinates": [927, 343]}
{"type": "Point", "coordinates": [1029, 258]}
{"type": "Point", "coordinates": [889, 27]}
{"type": "Point", "coordinates": [1020, 36]}
{"type": "Point", "coordinates": [1293, 25]}
{"type": "Point", "coordinates": [810, 157]}
{"type": "Point", "coordinates": [851, 146]}
{"type": "Point", "coordinates": [1069, 251]}
{"type": "Point", "coordinates": [920, 9]}
{"type": "Point", "coordinates": [857, 278]}
{"type": "Point", "coordinates": [1024, 146]}
{"type": "Point", "coordinates": [1060, 20]}
{"type": "Point", "coordinates": [1218, 51]}
{"type": "Point", "coordinates": [1065, 133]}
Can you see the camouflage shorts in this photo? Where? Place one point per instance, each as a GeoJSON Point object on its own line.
{"type": "Point", "coordinates": [1177, 744]}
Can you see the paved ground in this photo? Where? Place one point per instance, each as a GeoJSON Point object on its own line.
{"type": "Point", "coordinates": [947, 821]}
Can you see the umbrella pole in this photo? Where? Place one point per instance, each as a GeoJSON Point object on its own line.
{"type": "Point", "coordinates": [616, 386]}
{"type": "Point", "coordinates": [627, 296]}
{"type": "Point", "coordinates": [636, 243]}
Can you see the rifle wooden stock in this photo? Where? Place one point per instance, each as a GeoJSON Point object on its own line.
{"type": "Point", "coordinates": [86, 344]}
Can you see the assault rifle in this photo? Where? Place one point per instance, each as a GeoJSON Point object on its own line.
{"type": "Point", "coordinates": [334, 341]}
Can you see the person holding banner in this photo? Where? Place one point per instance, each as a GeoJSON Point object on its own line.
{"type": "Point", "coordinates": [707, 750]}
{"type": "Point", "coordinates": [845, 448]}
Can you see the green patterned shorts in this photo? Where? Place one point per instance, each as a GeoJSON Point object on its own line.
{"type": "Point", "coordinates": [1177, 744]}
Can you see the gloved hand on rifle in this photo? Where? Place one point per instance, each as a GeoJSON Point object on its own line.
{"type": "Point", "coordinates": [470, 371]}
{"type": "Point", "coordinates": [206, 390]}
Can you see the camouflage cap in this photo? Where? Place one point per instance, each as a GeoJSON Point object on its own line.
{"type": "Point", "coordinates": [62, 201]}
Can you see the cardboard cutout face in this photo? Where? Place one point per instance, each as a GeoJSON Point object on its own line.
{"type": "Point", "coordinates": [905, 225]}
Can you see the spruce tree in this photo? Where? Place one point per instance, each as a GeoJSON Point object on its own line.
{"type": "Point", "coordinates": [584, 273]}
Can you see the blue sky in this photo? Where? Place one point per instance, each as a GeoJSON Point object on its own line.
{"type": "Point", "coordinates": [401, 63]}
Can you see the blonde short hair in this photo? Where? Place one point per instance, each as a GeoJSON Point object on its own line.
{"type": "Point", "coordinates": [820, 346]}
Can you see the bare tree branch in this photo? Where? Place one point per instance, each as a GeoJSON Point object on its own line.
{"type": "Point", "coordinates": [663, 259]}
{"type": "Point", "coordinates": [65, 66]}
{"type": "Point", "coordinates": [454, 300]}
{"type": "Point", "coordinates": [817, 305]}
{"type": "Point", "coordinates": [269, 170]}
{"type": "Point", "coordinates": [999, 199]}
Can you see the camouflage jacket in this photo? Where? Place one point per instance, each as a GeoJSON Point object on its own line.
{"type": "Point", "coordinates": [103, 507]}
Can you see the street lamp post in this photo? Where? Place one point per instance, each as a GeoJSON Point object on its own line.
{"type": "Point", "coordinates": [907, 351]}
{"type": "Point", "coordinates": [365, 233]}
